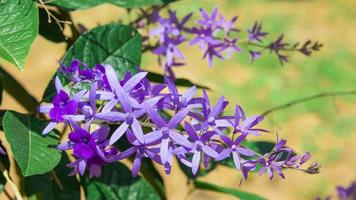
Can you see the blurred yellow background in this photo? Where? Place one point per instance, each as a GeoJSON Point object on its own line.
{"type": "Point", "coordinates": [325, 127]}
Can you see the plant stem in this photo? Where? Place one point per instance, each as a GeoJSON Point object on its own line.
{"type": "Point", "coordinates": [302, 100]}
{"type": "Point", "coordinates": [12, 185]}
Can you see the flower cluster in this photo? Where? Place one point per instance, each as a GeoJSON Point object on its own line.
{"type": "Point", "coordinates": [216, 36]}
{"type": "Point", "coordinates": [158, 122]}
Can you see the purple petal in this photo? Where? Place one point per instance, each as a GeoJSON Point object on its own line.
{"type": "Point", "coordinates": [92, 94]}
{"type": "Point", "coordinates": [111, 116]}
{"type": "Point", "coordinates": [127, 153]}
{"type": "Point", "coordinates": [210, 151]}
{"type": "Point", "coordinates": [130, 84]}
{"type": "Point", "coordinates": [191, 132]}
{"type": "Point", "coordinates": [109, 105]}
{"type": "Point", "coordinates": [153, 136]}
{"type": "Point", "coordinates": [178, 117]}
{"type": "Point", "coordinates": [44, 108]}
{"type": "Point", "coordinates": [137, 131]}
{"type": "Point", "coordinates": [236, 159]}
{"type": "Point", "coordinates": [50, 126]}
{"type": "Point", "coordinates": [112, 78]}
{"type": "Point", "coordinates": [58, 85]}
{"type": "Point", "coordinates": [136, 165]}
{"type": "Point", "coordinates": [81, 167]}
{"type": "Point", "coordinates": [218, 108]}
{"type": "Point", "coordinates": [164, 150]}
{"type": "Point", "coordinates": [189, 94]}
{"type": "Point", "coordinates": [180, 139]}
{"type": "Point", "coordinates": [118, 133]}
{"type": "Point", "coordinates": [196, 162]}
{"type": "Point", "coordinates": [245, 152]}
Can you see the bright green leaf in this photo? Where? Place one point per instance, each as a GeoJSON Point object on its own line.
{"type": "Point", "coordinates": [116, 182]}
{"type": "Point", "coordinates": [234, 192]}
{"type": "Point", "coordinates": [114, 44]}
{"type": "Point", "coordinates": [35, 154]}
{"type": "Point", "coordinates": [84, 4]}
{"type": "Point", "coordinates": [18, 30]}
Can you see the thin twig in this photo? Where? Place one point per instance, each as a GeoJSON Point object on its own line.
{"type": "Point", "coordinates": [12, 185]}
{"type": "Point", "coordinates": [51, 16]}
{"type": "Point", "coordinates": [302, 100]}
{"type": "Point", "coordinates": [56, 179]}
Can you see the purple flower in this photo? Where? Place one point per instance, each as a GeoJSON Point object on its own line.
{"type": "Point", "coordinates": [209, 21]}
{"type": "Point", "coordinates": [228, 26]}
{"type": "Point", "coordinates": [199, 145]}
{"type": "Point", "coordinates": [347, 193]}
{"type": "Point", "coordinates": [234, 149]}
{"type": "Point", "coordinates": [90, 149]}
{"type": "Point", "coordinates": [178, 101]}
{"type": "Point", "coordinates": [167, 132]}
{"type": "Point", "coordinates": [140, 148]}
{"type": "Point", "coordinates": [254, 55]}
{"type": "Point", "coordinates": [245, 125]}
{"type": "Point", "coordinates": [211, 52]}
{"type": "Point", "coordinates": [204, 37]}
{"type": "Point", "coordinates": [271, 165]}
{"type": "Point", "coordinates": [255, 33]}
{"type": "Point", "coordinates": [230, 46]}
{"type": "Point", "coordinates": [170, 50]}
{"type": "Point", "coordinates": [62, 106]}
{"type": "Point", "coordinates": [210, 116]}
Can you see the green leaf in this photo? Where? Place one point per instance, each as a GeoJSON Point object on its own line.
{"type": "Point", "coordinates": [18, 30]}
{"type": "Point", "coordinates": [84, 4]}
{"type": "Point", "coordinates": [261, 147]}
{"type": "Point", "coordinates": [234, 192]}
{"type": "Point", "coordinates": [116, 182]}
{"type": "Point", "coordinates": [114, 44]}
{"type": "Point", "coordinates": [34, 153]}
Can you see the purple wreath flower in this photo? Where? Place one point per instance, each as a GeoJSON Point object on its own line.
{"type": "Point", "coordinates": [227, 26]}
{"type": "Point", "coordinates": [234, 149]}
{"type": "Point", "coordinates": [62, 106]}
{"type": "Point", "coordinates": [169, 50]}
{"type": "Point", "coordinates": [230, 46]}
{"type": "Point", "coordinates": [209, 21]}
{"type": "Point", "coordinates": [204, 37]}
{"type": "Point", "coordinates": [166, 131]}
{"type": "Point", "coordinates": [199, 146]}
{"type": "Point", "coordinates": [90, 149]}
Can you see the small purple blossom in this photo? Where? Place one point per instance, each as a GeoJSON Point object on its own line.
{"type": "Point", "coordinates": [256, 33]}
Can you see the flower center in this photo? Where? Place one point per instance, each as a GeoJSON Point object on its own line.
{"type": "Point", "coordinates": [198, 145]}
{"type": "Point", "coordinates": [129, 119]}
{"type": "Point", "coordinates": [211, 120]}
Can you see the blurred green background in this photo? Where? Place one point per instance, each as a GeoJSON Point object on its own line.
{"type": "Point", "coordinates": [326, 127]}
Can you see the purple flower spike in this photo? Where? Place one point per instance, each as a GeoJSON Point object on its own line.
{"type": "Point", "coordinates": [149, 116]}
